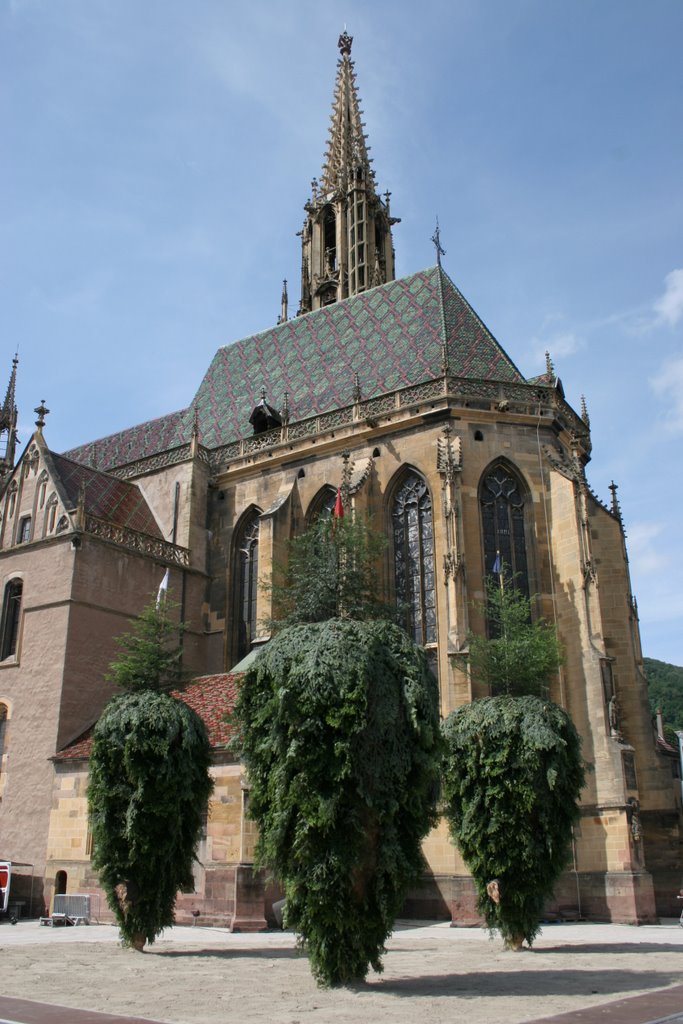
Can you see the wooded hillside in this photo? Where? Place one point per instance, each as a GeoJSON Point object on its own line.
{"type": "Point", "coordinates": [665, 687]}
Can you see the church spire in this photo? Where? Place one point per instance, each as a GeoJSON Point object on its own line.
{"type": "Point", "coordinates": [347, 153]}
{"type": "Point", "coordinates": [8, 423]}
{"type": "Point", "coordinates": [346, 239]}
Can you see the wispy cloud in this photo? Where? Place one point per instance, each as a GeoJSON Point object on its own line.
{"type": "Point", "coordinates": [644, 555]}
{"type": "Point", "coordinates": [560, 344]}
{"type": "Point", "coordinates": [668, 385]}
{"type": "Point", "coordinates": [669, 306]}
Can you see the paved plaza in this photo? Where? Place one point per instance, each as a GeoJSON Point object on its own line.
{"type": "Point", "coordinates": [575, 974]}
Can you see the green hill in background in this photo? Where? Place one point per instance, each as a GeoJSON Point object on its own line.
{"type": "Point", "coordinates": [665, 690]}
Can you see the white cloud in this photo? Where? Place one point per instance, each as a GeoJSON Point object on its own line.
{"type": "Point", "coordinates": [643, 553]}
{"type": "Point", "coordinates": [669, 306]}
{"type": "Point", "coordinates": [668, 385]}
{"type": "Point", "coordinates": [559, 345]}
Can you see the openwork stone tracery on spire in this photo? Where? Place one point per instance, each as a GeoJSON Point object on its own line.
{"type": "Point", "coordinates": [346, 238]}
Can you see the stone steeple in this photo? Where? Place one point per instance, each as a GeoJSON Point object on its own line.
{"type": "Point", "coordinates": [8, 424]}
{"type": "Point", "coordinates": [346, 243]}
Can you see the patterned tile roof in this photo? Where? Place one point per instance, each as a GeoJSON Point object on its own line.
{"type": "Point", "coordinates": [105, 496]}
{"type": "Point", "coordinates": [212, 697]}
{"type": "Point", "coordinates": [148, 438]}
{"type": "Point", "coordinates": [391, 336]}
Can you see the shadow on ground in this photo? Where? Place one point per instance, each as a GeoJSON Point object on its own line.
{"type": "Point", "coordinates": [522, 983]}
{"type": "Point", "coordinates": [615, 947]}
{"type": "Point", "coordinates": [226, 954]}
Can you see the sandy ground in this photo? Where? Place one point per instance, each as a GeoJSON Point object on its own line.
{"type": "Point", "coordinates": [207, 976]}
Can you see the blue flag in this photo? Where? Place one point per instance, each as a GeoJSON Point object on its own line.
{"type": "Point", "coordinates": [497, 565]}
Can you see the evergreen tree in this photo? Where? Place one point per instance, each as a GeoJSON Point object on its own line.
{"type": "Point", "coordinates": [149, 784]}
{"type": "Point", "coordinates": [513, 771]}
{"type": "Point", "coordinates": [339, 732]}
{"type": "Point", "coordinates": [512, 777]}
{"type": "Point", "coordinates": [151, 654]}
{"type": "Point", "coordinates": [331, 572]}
{"type": "Point", "coordinates": [338, 727]}
{"type": "Point", "coordinates": [519, 656]}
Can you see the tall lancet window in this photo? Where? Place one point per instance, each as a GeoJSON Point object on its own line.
{"type": "Point", "coordinates": [246, 575]}
{"type": "Point", "coordinates": [414, 558]}
{"type": "Point", "coordinates": [502, 515]}
{"type": "Point", "coordinates": [11, 618]}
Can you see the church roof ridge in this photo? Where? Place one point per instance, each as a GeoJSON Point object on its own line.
{"type": "Point", "coordinates": [489, 333]}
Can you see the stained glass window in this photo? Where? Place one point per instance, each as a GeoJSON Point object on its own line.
{"type": "Point", "coordinates": [247, 583]}
{"type": "Point", "coordinates": [502, 514]}
{"type": "Point", "coordinates": [414, 558]}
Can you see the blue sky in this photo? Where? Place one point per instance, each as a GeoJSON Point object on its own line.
{"type": "Point", "coordinates": [157, 156]}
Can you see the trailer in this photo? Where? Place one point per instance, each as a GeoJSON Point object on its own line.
{"type": "Point", "coordinates": [11, 908]}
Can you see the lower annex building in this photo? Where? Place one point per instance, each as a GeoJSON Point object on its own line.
{"type": "Point", "coordinates": [398, 392]}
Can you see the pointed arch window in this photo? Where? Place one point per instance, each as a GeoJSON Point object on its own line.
{"type": "Point", "coordinates": [246, 574]}
{"type": "Point", "coordinates": [11, 617]}
{"type": "Point", "coordinates": [322, 505]}
{"type": "Point", "coordinates": [413, 531]}
{"type": "Point", "coordinates": [503, 523]}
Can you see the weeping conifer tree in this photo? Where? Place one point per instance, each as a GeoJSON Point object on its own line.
{"type": "Point", "coordinates": [338, 724]}
{"type": "Point", "coordinates": [513, 771]}
{"type": "Point", "coordinates": [149, 783]}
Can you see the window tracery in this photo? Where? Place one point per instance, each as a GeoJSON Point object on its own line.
{"type": "Point", "coordinates": [246, 574]}
{"type": "Point", "coordinates": [415, 578]}
{"type": "Point", "coordinates": [503, 525]}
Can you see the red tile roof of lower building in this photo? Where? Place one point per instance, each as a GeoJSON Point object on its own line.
{"type": "Point", "coordinates": [211, 697]}
{"type": "Point", "coordinates": [105, 496]}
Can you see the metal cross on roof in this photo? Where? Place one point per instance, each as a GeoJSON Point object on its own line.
{"type": "Point", "coordinates": [436, 240]}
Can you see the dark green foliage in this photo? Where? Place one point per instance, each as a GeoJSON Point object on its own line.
{"type": "Point", "coordinates": [665, 690]}
{"type": "Point", "coordinates": [149, 785]}
{"type": "Point", "coordinates": [522, 655]}
{"type": "Point", "coordinates": [331, 573]}
{"type": "Point", "coordinates": [151, 654]}
{"type": "Point", "coordinates": [512, 777]}
{"type": "Point", "coordinates": [339, 731]}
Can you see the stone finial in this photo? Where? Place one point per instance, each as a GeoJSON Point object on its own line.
{"type": "Point", "coordinates": [357, 395]}
{"type": "Point", "coordinates": [285, 408]}
{"type": "Point", "coordinates": [42, 411]}
{"type": "Point", "coordinates": [616, 508]}
{"type": "Point", "coordinates": [584, 411]}
{"type": "Point", "coordinates": [284, 302]}
{"type": "Point", "coordinates": [549, 368]}
{"type": "Point", "coordinates": [345, 43]}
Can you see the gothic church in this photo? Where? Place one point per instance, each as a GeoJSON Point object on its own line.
{"type": "Point", "coordinates": [396, 391]}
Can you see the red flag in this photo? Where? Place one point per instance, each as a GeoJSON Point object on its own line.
{"type": "Point", "coordinates": [338, 506]}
